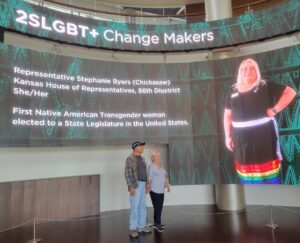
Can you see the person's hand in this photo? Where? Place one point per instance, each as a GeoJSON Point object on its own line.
{"type": "Point", "coordinates": [148, 189]}
{"type": "Point", "coordinates": [229, 143]}
{"type": "Point", "coordinates": [271, 112]}
{"type": "Point", "coordinates": [132, 191]}
{"type": "Point", "coordinates": [168, 188]}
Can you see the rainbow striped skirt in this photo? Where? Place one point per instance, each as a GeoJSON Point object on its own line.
{"type": "Point", "coordinates": [265, 173]}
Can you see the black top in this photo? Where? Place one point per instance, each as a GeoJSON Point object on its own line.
{"type": "Point", "coordinates": [254, 144]}
{"type": "Point", "coordinates": [141, 169]}
{"type": "Point", "coordinates": [253, 104]}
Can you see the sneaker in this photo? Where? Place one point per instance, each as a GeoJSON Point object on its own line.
{"type": "Point", "coordinates": [133, 233]}
{"type": "Point", "coordinates": [159, 228]}
{"type": "Point", "coordinates": [146, 229]}
{"type": "Point", "coordinates": [149, 225]}
{"type": "Point", "coordinates": [157, 225]}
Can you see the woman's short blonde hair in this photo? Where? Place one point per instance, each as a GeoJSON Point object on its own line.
{"type": "Point", "coordinates": [154, 152]}
{"type": "Point", "coordinates": [258, 81]}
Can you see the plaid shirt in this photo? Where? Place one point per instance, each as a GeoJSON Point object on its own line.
{"type": "Point", "coordinates": [131, 171]}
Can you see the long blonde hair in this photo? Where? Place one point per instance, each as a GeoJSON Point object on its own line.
{"type": "Point", "coordinates": [258, 81]}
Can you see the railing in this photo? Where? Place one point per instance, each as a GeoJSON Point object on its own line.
{"type": "Point", "coordinates": [134, 17]}
{"type": "Point", "coordinates": [122, 16]}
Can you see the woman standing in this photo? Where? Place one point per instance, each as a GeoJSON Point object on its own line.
{"type": "Point", "coordinates": [250, 127]}
{"type": "Point", "coordinates": [158, 181]}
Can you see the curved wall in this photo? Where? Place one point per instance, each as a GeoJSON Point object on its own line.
{"type": "Point", "coordinates": [23, 164]}
{"type": "Point", "coordinates": [47, 23]}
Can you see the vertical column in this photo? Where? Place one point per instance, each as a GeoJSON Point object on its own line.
{"type": "Point", "coordinates": [218, 9]}
{"type": "Point", "coordinates": [229, 197]}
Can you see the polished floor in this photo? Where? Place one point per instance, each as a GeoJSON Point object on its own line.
{"type": "Point", "coordinates": [185, 224]}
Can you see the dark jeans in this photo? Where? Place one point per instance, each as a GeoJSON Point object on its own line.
{"type": "Point", "coordinates": [157, 201]}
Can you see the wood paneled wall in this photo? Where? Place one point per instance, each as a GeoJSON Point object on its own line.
{"type": "Point", "coordinates": [239, 7]}
{"type": "Point", "coordinates": [59, 198]}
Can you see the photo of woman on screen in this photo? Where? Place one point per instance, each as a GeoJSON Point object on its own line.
{"type": "Point", "coordinates": [250, 128]}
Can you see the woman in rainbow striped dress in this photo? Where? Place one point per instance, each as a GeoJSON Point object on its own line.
{"type": "Point", "coordinates": [251, 131]}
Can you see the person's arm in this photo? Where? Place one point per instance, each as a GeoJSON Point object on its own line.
{"type": "Point", "coordinates": [128, 176]}
{"type": "Point", "coordinates": [150, 177]}
{"type": "Point", "coordinates": [147, 185]}
{"type": "Point", "coordinates": [167, 184]}
{"type": "Point", "coordinates": [286, 98]}
{"type": "Point", "coordinates": [228, 128]}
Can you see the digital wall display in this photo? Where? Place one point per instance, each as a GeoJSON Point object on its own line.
{"type": "Point", "coordinates": [51, 100]}
{"type": "Point", "coordinates": [18, 15]}
{"type": "Point", "coordinates": [69, 101]}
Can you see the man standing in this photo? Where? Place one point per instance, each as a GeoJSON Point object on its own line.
{"type": "Point", "coordinates": [136, 178]}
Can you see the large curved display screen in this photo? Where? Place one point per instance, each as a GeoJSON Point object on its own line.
{"type": "Point", "coordinates": [20, 16]}
{"type": "Point", "coordinates": [51, 100]}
